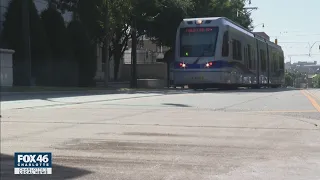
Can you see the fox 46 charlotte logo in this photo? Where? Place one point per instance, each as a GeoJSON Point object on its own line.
{"type": "Point", "coordinates": [32, 163]}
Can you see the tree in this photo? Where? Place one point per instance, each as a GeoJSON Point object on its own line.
{"type": "Point", "coordinates": [232, 9]}
{"type": "Point", "coordinates": [57, 33]}
{"type": "Point", "coordinates": [163, 27]}
{"type": "Point", "coordinates": [157, 19]}
{"type": "Point", "coordinates": [61, 49]}
{"type": "Point", "coordinates": [316, 81]}
{"type": "Point", "coordinates": [11, 39]}
{"type": "Point", "coordinates": [288, 79]}
{"type": "Point", "coordinates": [83, 52]}
{"type": "Point", "coordinates": [172, 12]}
{"type": "Point", "coordinates": [92, 15]}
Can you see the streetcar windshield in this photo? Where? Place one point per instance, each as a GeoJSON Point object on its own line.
{"type": "Point", "coordinates": [199, 41]}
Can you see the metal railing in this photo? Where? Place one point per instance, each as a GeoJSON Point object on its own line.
{"type": "Point", "coordinates": [143, 57]}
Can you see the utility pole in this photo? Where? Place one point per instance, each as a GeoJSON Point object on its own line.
{"type": "Point", "coordinates": [106, 46]}
{"type": "Point", "coordinates": [133, 83]}
{"type": "Point", "coordinates": [311, 46]}
{"type": "Point", "coordinates": [247, 8]}
{"type": "Point", "coordinates": [26, 40]}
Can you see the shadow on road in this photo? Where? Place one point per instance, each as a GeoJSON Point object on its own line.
{"type": "Point", "coordinates": [48, 95]}
{"type": "Point", "coordinates": [58, 172]}
{"type": "Point", "coordinates": [262, 90]}
{"type": "Point", "coordinates": [177, 105]}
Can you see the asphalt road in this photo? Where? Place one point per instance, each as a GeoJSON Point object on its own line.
{"type": "Point", "coordinates": [244, 134]}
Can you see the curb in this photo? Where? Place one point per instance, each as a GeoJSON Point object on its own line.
{"type": "Point", "coordinates": [57, 92]}
{"type": "Point", "coordinates": [108, 91]}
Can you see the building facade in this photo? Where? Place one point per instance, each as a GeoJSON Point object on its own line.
{"type": "Point", "coordinates": [304, 67]}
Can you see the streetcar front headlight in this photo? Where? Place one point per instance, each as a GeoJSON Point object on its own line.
{"type": "Point", "coordinates": [182, 65]}
{"type": "Point", "coordinates": [209, 64]}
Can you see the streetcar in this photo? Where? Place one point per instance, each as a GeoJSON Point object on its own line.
{"type": "Point", "coordinates": [215, 52]}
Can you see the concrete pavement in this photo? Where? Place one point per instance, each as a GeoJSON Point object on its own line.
{"type": "Point", "coordinates": [243, 134]}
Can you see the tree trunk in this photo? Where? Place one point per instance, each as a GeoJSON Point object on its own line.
{"type": "Point", "coordinates": [117, 52]}
{"type": "Point", "coordinates": [117, 59]}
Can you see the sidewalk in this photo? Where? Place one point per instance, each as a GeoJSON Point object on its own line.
{"type": "Point", "coordinates": [45, 89]}
{"type": "Point", "coordinates": [13, 91]}
{"type": "Point", "coordinates": [38, 89]}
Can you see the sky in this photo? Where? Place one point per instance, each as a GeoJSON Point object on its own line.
{"type": "Point", "coordinates": [295, 23]}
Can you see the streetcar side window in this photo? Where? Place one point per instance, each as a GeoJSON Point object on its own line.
{"type": "Point", "coordinates": [254, 58]}
{"type": "Point", "coordinates": [271, 62]}
{"type": "Point", "coordinates": [225, 46]}
{"type": "Point", "coordinates": [239, 50]}
{"type": "Point", "coordinates": [263, 60]}
{"type": "Point", "coordinates": [276, 62]}
{"type": "Point", "coordinates": [245, 56]}
{"type": "Point", "coordinates": [249, 57]}
{"type": "Point", "coordinates": [281, 63]}
{"type": "Point", "coordinates": [275, 68]}
{"type": "Point", "coordinates": [236, 49]}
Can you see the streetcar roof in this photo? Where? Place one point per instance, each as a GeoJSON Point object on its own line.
{"type": "Point", "coordinates": [234, 25]}
{"type": "Point", "coordinates": [226, 21]}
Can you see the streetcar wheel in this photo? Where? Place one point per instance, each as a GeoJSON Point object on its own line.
{"type": "Point", "coordinates": [194, 87]}
{"type": "Point", "coordinates": [275, 86]}
{"type": "Point", "coordinates": [255, 87]}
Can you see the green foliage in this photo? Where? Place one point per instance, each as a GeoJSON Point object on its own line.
{"type": "Point", "coordinates": [12, 34]}
{"type": "Point", "coordinates": [316, 81]}
{"type": "Point", "coordinates": [63, 67]}
{"type": "Point", "coordinates": [289, 79]}
{"type": "Point", "coordinates": [12, 38]}
{"type": "Point", "coordinates": [91, 14]}
{"type": "Point", "coordinates": [232, 9]}
{"type": "Point", "coordinates": [164, 27]}
{"type": "Point", "coordinates": [83, 52]}
{"type": "Point", "coordinates": [158, 19]}
{"type": "Point", "coordinates": [57, 33]}
{"type": "Point", "coordinates": [121, 12]}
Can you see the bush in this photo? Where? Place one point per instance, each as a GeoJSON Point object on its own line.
{"type": "Point", "coordinates": [316, 81]}
{"type": "Point", "coordinates": [83, 53]}
{"type": "Point", "coordinates": [288, 79]}
{"type": "Point", "coordinates": [12, 38]}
